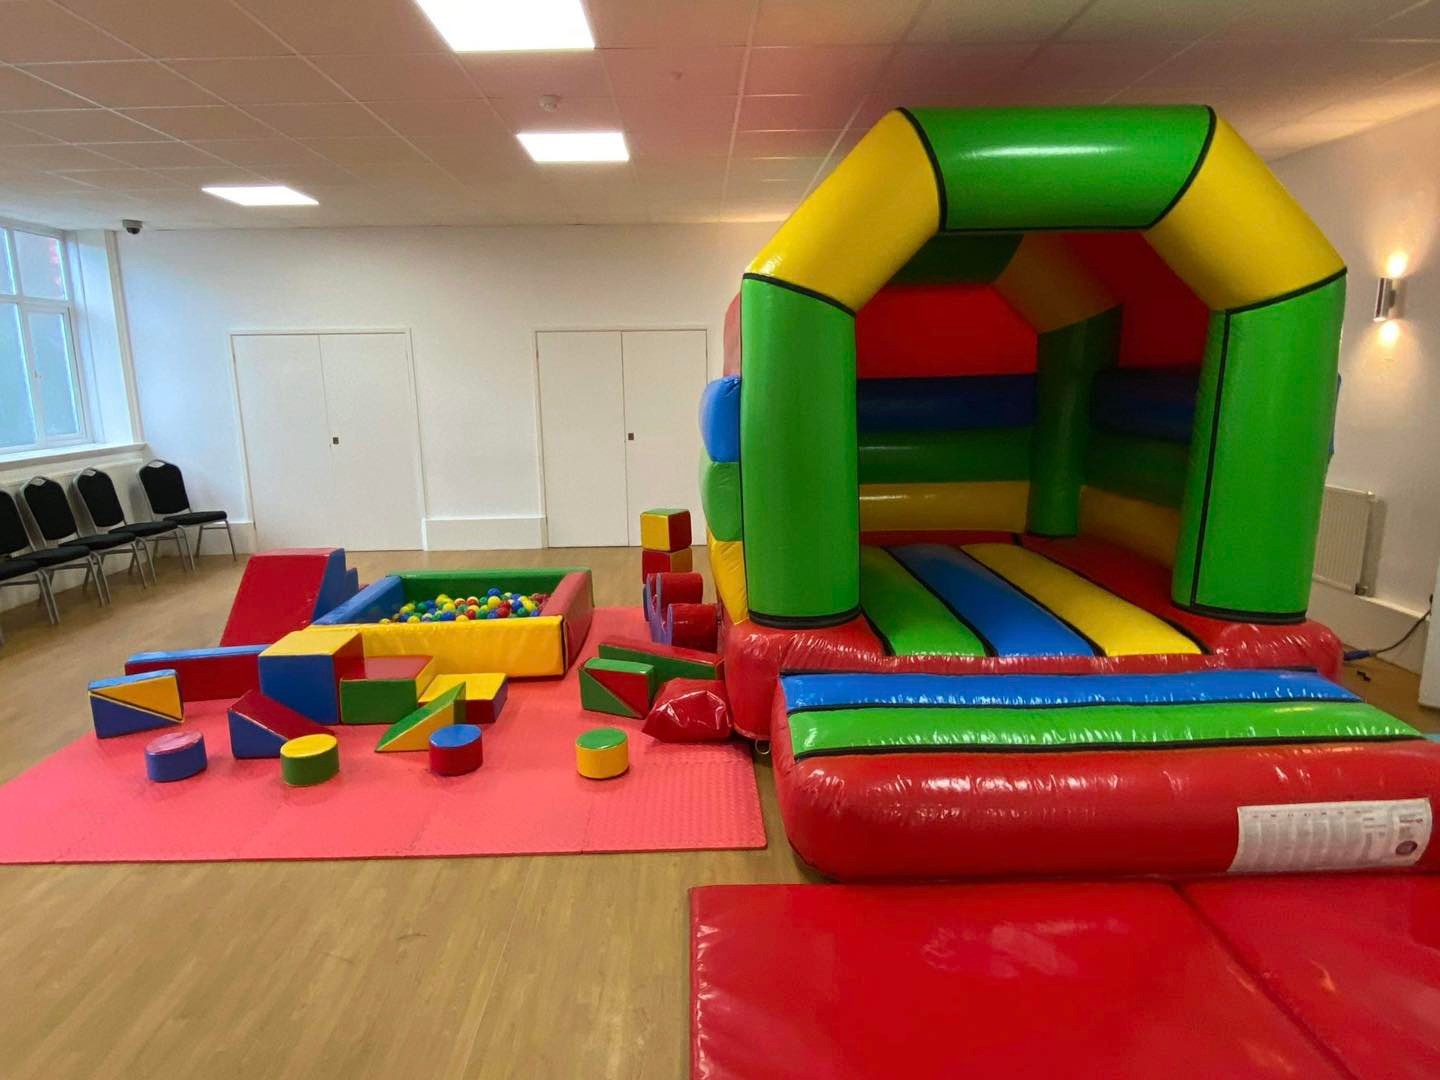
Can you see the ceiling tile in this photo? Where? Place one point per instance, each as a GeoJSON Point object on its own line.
{"type": "Point", "coordinates": [399, 77]}
{"type": "Point", "coordinates": [1016, 20]}
{"type": "Point", "coordinates": [151, 154]}
{"type": "Point", "coordinates": [1092, 65]}
{"type": "Point", "coordinates": [919, 71]}
{"type": "Point", "coordinates": [365, 150]}
{"type": "Point", "coordinates": [201, 122]}
{"type": "Point", "coordinates": [655, 127]}
{"type": "Point", "coordinates": [1333, 19]}
{"type": "Point", "coordinates": [180, 28]}
{"type": "Point", "coordinates": [784, 143]}
{"type": "Point", "coordinates": [307, 176]}
{"type": "Point", "coordinates": [791, 111]}
{"type": "Point", "coordinates": [833, 22]}
{"type": "Point", "coordinates": [664, 22]}
{"type": "Point", "coordinates": [472, 117]}
{"type": "Point", "coordinates": [10, 135]}
{"type": "Point", "coordinates": [198, 176]}
{"type": "Point", "coordinates": [320, 27]}
{"type": "Point", "coordinates": [814, 69]}
{"type": "Point", "coordinates": [21, 91]}
{"type": "Point", "coordinates": [477, 159]}
{"type": "Point", "coordinates": [574, 114]}
{"type": "Point", "coordinates": [677, 71]}
{"type": "Point", "coordinates": [259, 152]}
{"type": "Point", "coordinates": [1411, 21]}
{"type": "Point", "coordinates": [84, 125]}
{"type": "Point", "coordinates": [263, 80]}
{"type": "Point", "coordinates": [1237, 64]}
{"type": "Point", "coordinates": [569, 74]}
{"type": "Point", "coordinates": [317, 121]}
{"type": "Point", "coordinates": [1145, 20]}
{"type": "Point", "coordinates": [766, 169]}
{"type": "Point", "coordinates": [125, 179]}
{"type": "Point", "coordinates": [122, 83]}
{"type": "Point", "coordinates": [57, 156]}
{"type": "Point", "coordinates": [39, 30]}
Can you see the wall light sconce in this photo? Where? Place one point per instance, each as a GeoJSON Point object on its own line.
{"type": "Point", "coordinates": [1387, 292]}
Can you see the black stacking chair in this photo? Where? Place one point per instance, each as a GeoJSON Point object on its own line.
{"type": "Point", "coordinates": [56, 522]}
{"type": "Point", "coordinates": [164, 486]}
{"type": "Point", "coordinates": [97, 492]}
{"type": "Point", "coordinates": [15, 541]}
{"type": "Point", "coordinates": [24, 572]}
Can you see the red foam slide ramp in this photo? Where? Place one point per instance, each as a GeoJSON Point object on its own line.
{"type": "Point", "coordinates": [1110, 981]}
{"type": "Point", "coordinates": [277, 594]}
{"type": "Point", "coordinates": [1355, 958]}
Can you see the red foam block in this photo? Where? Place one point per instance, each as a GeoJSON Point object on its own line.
{"type": "Point", "coordinates": [689, 710]}
{"type": "Point", "coordinates": [1014, 981]}
{"type": "Point", "coordinates": [277, 594]}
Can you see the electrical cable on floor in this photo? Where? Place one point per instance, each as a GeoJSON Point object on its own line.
{"type": "Point", "coordinates": [1362, 654]}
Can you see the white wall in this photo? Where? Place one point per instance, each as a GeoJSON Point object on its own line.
{"type": "Point", "coordinates": [1375, 194]}
{"type": "Point", "coordinates": [472, 298]}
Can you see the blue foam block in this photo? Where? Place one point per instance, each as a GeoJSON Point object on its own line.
{"type": "Point", "coordinates": [250, 740]}
{"type": "Point", "coordinates": [1008, 621]}
{"type": "Point", "coordinates": [376, 601]}
{"type": "Point", "coordinates": [112, 718]}
{"type": "Point", "coordinates": [859, 690]}
{"type": "Point", "coordinates": [720, 418]}
{"type": "Point", "coordinates": [336, 585]}
{"type": "Point", "coordinates": [122, 680]}
{"type": "Point", "coordinates": [176, 764]}
{"type": "Point", "coordinates": [305, 683]}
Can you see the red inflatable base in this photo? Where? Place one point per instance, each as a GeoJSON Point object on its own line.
{"type": "Point", "coordinates": [1015, 981]}
{"type": "Point", "coordinates": [942, 816]}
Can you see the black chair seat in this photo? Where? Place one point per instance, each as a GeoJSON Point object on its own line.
{"type": "Point", "coordinates": [197, 517]}
{"type": "Point", "coordinates": [57, 555]}
{"type": "Point", "coordinates": [13, 568]}
{"type": "Point", "coordinates": [103, 541]}
{"type": "Point", "coordinates": [146, 528]}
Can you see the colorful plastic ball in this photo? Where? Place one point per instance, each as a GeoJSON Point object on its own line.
{"type": "Point", "coordinates": [412, 618]}
{"type": "Point", "coordinates": [492, 602]}
{"type": "Point", "coordinates": [471, 600]}
{"type": "Point", "coordinates": [446, 616]}
{"type": "Point", "coordinates": [493, 592]}
{"type": "Point", "coordinates": [520, 613]}
{"type": "Point", "coordinates": [407, 608]}
{"type": "Point", "coordinates": [462, 617]}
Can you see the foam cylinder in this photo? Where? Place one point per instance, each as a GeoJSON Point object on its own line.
{"type": "Point", "coordinates": [456, 749]}
{"type": "Point", "coordinates": [310, 759]}
{"type": "Point", "coordinates": [176, 755]}
{"type": "Point", "coordinates": [602, 753]}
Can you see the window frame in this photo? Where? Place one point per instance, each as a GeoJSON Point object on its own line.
{"type": "Point", "coordinates": [66, 309]}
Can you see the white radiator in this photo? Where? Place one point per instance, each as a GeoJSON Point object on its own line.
{"type": "Point", "coordinates": [1346, 517]}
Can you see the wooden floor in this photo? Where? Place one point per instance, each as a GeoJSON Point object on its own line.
{"type": "Point", "coordinates": [535, 967]}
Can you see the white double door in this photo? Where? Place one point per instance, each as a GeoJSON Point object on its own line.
{"type": "Point", "coordinates": [330, 439]}
{"type": "Point", "coordinates": [618, 430]}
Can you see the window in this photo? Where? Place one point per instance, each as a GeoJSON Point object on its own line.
{"type": "Point", "coordinates": [40, 400]}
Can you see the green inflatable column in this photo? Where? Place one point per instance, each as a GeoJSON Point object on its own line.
{"type": "Point", "coordinates": [1066, 362]}
{"type": "Point", "coordinates": [1251, 510]}
{"type": "Point", "coordinates": [800, 495]}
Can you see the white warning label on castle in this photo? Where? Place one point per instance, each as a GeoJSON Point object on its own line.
{"type": "Point", "coordinates": [1331, 835]}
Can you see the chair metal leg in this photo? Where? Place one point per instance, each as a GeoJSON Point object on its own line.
{"type": "Point", "coordinates": [182, 545]}
{"type": "Point", "coordinates": [47, 597]}
{"type": "Point", "coordinates": [137, 563]}
{"type": "Point", "coordinates": [199, 539]}
{"type": "Point", "coordinates": [102, 586]}
{"type": "Point", "coordinates": [231, 537]}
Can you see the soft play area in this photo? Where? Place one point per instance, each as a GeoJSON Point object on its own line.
{"type": "Point", "coordinates": [1011, 487]}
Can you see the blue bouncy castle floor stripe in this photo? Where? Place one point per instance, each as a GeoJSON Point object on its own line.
{"type": "Point", "coordinates": [1011, 622]}
{"type": "Point", "coordinates": [859, 690]}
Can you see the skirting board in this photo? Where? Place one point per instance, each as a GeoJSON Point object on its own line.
{"type": "Point", "coordinates": [1364, 622]}
{"type": "Point", "coordinates": [484, 533]}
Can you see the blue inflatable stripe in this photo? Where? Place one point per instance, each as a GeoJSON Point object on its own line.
{"type": "Point", "coordinates": [1158, 403]}
{"type": "Point", "coordinates": [1055, 691]}
{"type": "Point", "coordinates": [720, 418]}
{"type": "Point", "coordinates": [973, 401]}
{"type": "Point", "coordinates": [1006, 619]}
{"type": "Point", "coordinates": [376, 601]}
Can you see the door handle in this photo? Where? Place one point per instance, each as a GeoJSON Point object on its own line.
{"type": "Point", "coordinates": [630, 435]}
{"type": "Point", "coordinates": [334, 440]}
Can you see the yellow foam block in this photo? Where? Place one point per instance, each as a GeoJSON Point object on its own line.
{"type": "Point", "coordinates": [1144, 527]}
{"type": "Point", "coordinates": [159, 694]}
{"type": "Point", "coordinates": [313, 641]}
{"type": "Point", "coordinates": [519, 647]}
{"type": "Point", "coordinates": [1117, 626]}
{"type": "Point", "coordinates": [727, 567]}
{"type": "Point", "coordinates": [1236, 236]}
{"type": "Point", "coordinates": [478, 687]}
{"type": "Point", "coordinates": [983, 504]}
{"type": "Point", "coordinates": [863, 222]}
{"type": "Point", "coordinates": [602, 753]}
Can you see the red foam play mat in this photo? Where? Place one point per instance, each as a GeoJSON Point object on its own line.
{"type": "Point", "coordinates": [91, 802]}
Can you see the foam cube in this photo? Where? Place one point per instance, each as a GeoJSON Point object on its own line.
{"type": "Point", "coordinates": [666, 529]}
{"type": "Point", "coordinates": [413, 732]}
{"type": "Point", "coordinates": [617, 687]}
{"type": "Point", "coordinates": [666, 562]}
{"type": "Point", "coordinates": [484, 695]}
{"type": "Point", "coordinates": [304, 668]}
{"type": "Point", "coordinates": [260, 726]}
{"type": "Point", "coordinates": [140, 702]}
{"type": "Point", "coordinates": [384, 689]}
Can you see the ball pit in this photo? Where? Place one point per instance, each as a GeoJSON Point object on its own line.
{"type": "Point", "coordinates": [494, 604]}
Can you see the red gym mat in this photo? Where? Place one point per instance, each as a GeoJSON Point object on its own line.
{"type": "Point", "coordinates": [1016, 981]}
{"type": "Point", "coordinates": [1355, 958]}
{"type": "Point", "coordinates": [90, 802]}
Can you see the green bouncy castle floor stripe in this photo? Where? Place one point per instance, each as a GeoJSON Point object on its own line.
{"type": "Point", "coordinates": [1150, 469]}
{"type": "Point", "coordinates": [920, 457]}
{"type": "Point", "coordinates": [910, 617]}
{"type": "Point", "coordinates": [918, 728]}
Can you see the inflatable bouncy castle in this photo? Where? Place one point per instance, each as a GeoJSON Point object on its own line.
{"type": "Point", "coordinates": [1012, 486]}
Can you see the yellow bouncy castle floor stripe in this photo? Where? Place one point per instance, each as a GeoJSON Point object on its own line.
{"type": "Point", "coordinates": [1117, 626]}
